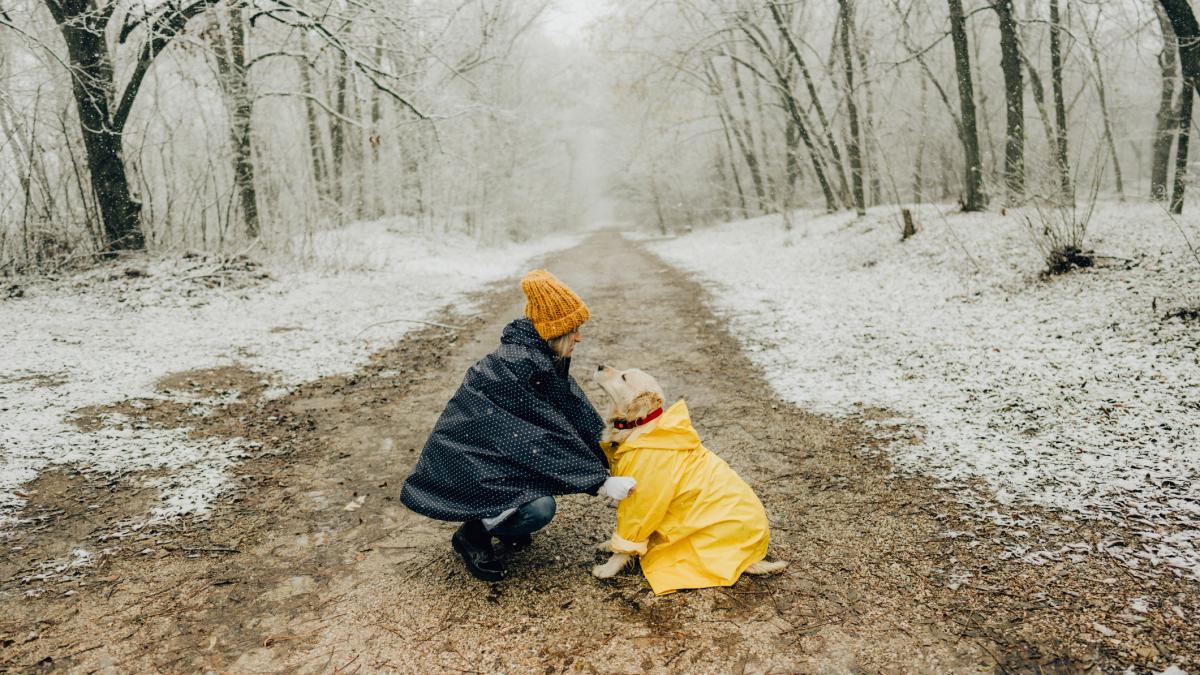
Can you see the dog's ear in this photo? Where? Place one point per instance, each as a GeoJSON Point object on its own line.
{"type": "Point", "coordinates": [643, 404]}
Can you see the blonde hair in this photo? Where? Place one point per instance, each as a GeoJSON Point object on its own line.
{"type": "Point", "coordinates": [559, 345]}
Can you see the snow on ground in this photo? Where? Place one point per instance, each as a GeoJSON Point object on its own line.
{"type": "Point", "coordinates": [88, 341]}
{"type": "Point", "coordinates": [1069, 392]}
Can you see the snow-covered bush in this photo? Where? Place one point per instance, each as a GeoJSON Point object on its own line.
{"type": "Point", "coordinates": [1059, 230]}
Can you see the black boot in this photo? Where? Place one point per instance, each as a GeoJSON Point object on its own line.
{"type": "Point", "coordinates": [516, 543]}
{"type": "Point", "coordinates": [474, 544]}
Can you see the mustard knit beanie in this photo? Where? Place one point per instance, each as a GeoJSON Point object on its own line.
{"type": "Point", "coordinates": [553, 308]}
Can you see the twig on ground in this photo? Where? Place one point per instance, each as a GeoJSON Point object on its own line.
{"type": "Point", "coordinates": [995, 659]}
{"type": "Point", "coordinates": [390, 629]}
{"type": "Point", "coordinates": [85, 650]}
{"type": "Point", "coordinates": [427, 323]}
{"type": "Point", "coordinates": [235, 256]}
{"type": "Point", "coordinates": [828, 621]}
{"type": "Point", "coordinates": [90, 254]}
{"type": "Point", "coordinates": [346, 664]}
{"type": "Point", "coordinates": [211, 273]}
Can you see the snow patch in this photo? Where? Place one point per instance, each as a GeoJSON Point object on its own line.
{"type": "Point", "coordinates": [91, 341]}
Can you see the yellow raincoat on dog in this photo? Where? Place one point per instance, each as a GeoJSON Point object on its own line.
{"type": "Point", "coordinates": [694, 521]}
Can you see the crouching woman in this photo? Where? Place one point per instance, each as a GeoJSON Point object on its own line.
{"type": "Point", "coordinates": [518, 431]}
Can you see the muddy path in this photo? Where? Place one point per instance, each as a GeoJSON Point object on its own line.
{"type": "Point", "coordinates": [313, 566]}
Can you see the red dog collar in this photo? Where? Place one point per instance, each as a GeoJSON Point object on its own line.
{"type": "Point", "coordinates": [626, 424]}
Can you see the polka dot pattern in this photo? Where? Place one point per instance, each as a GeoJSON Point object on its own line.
{"type": "Point", "coordinates": [518, 428]}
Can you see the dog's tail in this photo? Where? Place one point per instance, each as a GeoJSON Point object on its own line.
{"type": "Point", "coordinates": [764, 567]}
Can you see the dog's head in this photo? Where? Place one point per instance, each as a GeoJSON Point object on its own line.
{"type": "Point", "coordinates": [632, 394]}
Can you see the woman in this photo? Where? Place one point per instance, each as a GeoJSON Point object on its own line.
{"type": "Point", "coordinates": [518, 431]}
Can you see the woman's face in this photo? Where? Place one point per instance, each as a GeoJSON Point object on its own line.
{"type": "Point", "coordinates": [576, 338]}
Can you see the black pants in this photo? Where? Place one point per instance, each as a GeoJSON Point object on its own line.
{"type": "Point", "coordinates": [527, 519]}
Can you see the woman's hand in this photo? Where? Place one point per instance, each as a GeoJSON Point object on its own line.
{"type": "Point", "coordinates": [617, 487]}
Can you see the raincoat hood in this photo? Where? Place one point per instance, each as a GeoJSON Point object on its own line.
{"type": "Point", "coordinates": [521, 332]}
{"type": "Point", "coordinates": [673, 431]}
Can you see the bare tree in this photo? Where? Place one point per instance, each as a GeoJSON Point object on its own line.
{"type": "Point", "coordinates": [854, 146]}
{"type": "Point", "coordinates": [229, 43]}
{"type": "Point", "coordinates": [316, 135]}
{"type": "Point", "coordinates": [835, 166]}
{"type": "Point", "coordinates": [337, 128]}
{"type": "Point", "coordinates": [730, 129]}
{"type": "Point", "coordinates": [1187, 31]}
{"type": "Point", "coordinates": [919, 162]}
{"type": "Point", "coordinates": [871, 159]}
{"type": "Point", "coordinates": [745, 132]}
{"type": "Point", "coordinates": [1090, 32]}
{"type": "Point", "coordinates": [1060, 107]}
{"type": "Point", "coordinates": [1014, 102]}
{"type": "Point", "coordinates": [1164, 120]}
{"type": "Point", "coordinates": [83, 26]}
{"type": "Point", "coordinates": [782, 86]}
{"type": "Point", "coordinates": [974, 199]}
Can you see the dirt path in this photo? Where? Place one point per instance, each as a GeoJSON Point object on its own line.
{"type": "Point", "coordinates": [286, 579]}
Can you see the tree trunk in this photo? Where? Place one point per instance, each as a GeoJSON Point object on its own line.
{"type": "Point", "coordinates": [783, 87]}
{"type": "Point", "coordinates": [1181, 150]}
{"type": "Point", "coordinates": [1060, 108]}
{"type": "Point", "coordinates": [854, 146]}
{"type": "Point", "coordinates": [919, 163]}
{"type": "Point", "coordinates": [316, 144]}
{"type": "Point", "coordinates": [1102, 95]}
{"type": "Point", "coordinates": [764, 145]}
{"type": "Point", "coordinates": [737, 181]}
{"type": "Point", "coordinates": [983, 120]}
{"type": "Point", "coordinates": [1039, 98]}
{"type": "Point", "coordinates": [338, 128]}
{"type": "Point", "coordinates": [872, 161]}
{"type": "Point", "coordinates": [723, 181]}
{"type": "Point", "coordinates": [231, 65]}
{"type": "Point", "coordinates": [732, 126]}
{"type": "Point", "coordinates": [1187, 31]}
{"type": "Point", "coordinates": [818, 165]}
{"type": "Point", "coordinates": [83, 29]}
{"type": "Point", "coordinates": [945, 171]}
{"type": "Point", "coordinates": [974, 199]}
{"type": "Point", "coordinates": [1164, 121]}
{"type": "Point", "coordinates": [658, 211]}
{"type": "Point", "coordinates": [726, 123]}
{"type": "Point", "coordinates": [791, 138]}
{"type": "Point", "coordinates": [837, 165]}
{"type": "Point", "coordinates": [747, 140]}
{"type": "Point", "coordinates": [910, 227]}
{"type": "Point", "coordinates": [375, 140]}
{"type": "Point", "coordinates": [28, 161]}
{"type": "Point", "coordinates": [1014, 103]}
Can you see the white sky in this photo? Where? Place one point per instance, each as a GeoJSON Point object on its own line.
{"type": "Point", "coordinates": [565, 20]}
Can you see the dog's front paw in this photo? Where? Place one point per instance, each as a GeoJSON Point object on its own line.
{"type": "Point", "coordinates": [605, 546]}
{"type": "Point", "coordinates": [606, 571]}
{"type": "Point", "coordinates": [613, 565]}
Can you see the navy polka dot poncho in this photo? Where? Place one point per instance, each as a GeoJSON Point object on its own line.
{"type": "Point", "coordinates": [518, 428]}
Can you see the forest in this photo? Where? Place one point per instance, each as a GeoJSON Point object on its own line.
{"type": "Point", "coordinates": [207, 125]}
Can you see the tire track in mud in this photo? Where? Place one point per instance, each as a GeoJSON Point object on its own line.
{"type": "Point", "coordinates": [285, 578]}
